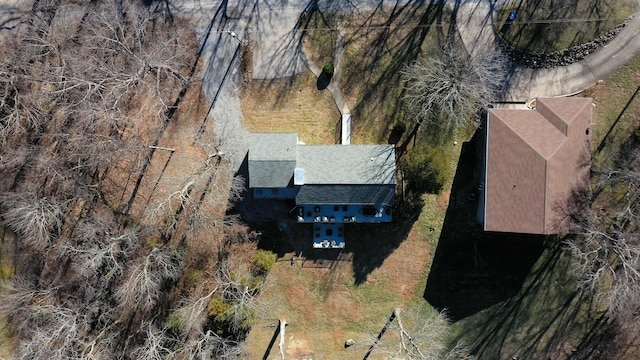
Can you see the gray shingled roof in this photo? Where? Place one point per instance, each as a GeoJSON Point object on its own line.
{"type": "Point", "coordinates": [272, 159]}
{"type": "Point", "coordinates": [346, 194]}
{"type": "Point", "coordinates": [347, 164]}
{"type": "Point", "coordinates": [273, 147]}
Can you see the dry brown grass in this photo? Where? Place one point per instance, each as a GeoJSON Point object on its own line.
{"type": "Point", "coordinates": [324, 307]}
{"type": "Point", "coordinates": [324, 303]}
{"type": "Point", "coordinates": [291, 105]}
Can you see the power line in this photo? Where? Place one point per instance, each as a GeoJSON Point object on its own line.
{"type": "Point", "coordinates": [424, 26]}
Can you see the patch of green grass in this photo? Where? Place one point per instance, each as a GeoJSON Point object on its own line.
{"type": "Point", "coordinates": [7, 348]}
{"type": "Point", "coordinates": [374, 57]}
{"type": "Point", "coordinates": [547, 318]}
{"type": "Point", "coordinates": [320, 36]}
{"type": "Point", "coordinates": [545, 26]}
{"type": "Point", "coordinates": [616, 114]}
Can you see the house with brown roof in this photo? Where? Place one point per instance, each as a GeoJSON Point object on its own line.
{"type": "Point", "coordinates": [536, 162]}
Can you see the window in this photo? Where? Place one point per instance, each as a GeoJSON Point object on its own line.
{"type": "Point", "coordinates": [369, 211]}
{"type": "Point", "coordinates": [345, 208]}
{"type": "Point", "coordinates": [336, 208]}
{"type": "Point", "coordinates": [329, 232]}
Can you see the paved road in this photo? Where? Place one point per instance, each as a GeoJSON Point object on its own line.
{"type": "Point", "coordinates": [11, 13]}
{"type": "Point", "coordinates": [476, 27]}
{"type": "Point", "coordinates": [272, 27]}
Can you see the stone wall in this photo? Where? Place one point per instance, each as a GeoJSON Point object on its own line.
{"type": "Point", "coordinates": [558, 58]}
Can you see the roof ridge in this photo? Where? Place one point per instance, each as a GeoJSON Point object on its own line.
{"type": "Point", "coordinates": [519, 136]}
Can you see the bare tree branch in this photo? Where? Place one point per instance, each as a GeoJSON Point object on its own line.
{"type": "Point", "coordinates": [143, 286]}
{"type": "Point", "coordinates": [35, 218]}
{"type": "Point", "coordinates": [454, 85]}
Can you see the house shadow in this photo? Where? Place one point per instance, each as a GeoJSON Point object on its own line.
{"type": "Point", "coordinates": [473, 270]}
{"type": "Point", "coordinates": [271, 221]}
{"type": "Point", "coordinates": [371, 244]}
{"type": "Point", "coordinates": [367, 244]}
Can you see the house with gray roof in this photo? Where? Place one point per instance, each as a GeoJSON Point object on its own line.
{"type": "Point", "coordinates": [332, 185]}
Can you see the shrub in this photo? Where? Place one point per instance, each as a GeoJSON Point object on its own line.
{"type": "Point", "coordinates": [426, 169]}
{"type": "Point", "coordinates": [328, 69]}
{"type": "Point", "coordinates": [174, 323]}
{"type": "Point", "coordinates": [263, 262]}
{"type": "Point", "coordinates": [218, 308]}
{"type": "Point", "coordinates": [192, 277]}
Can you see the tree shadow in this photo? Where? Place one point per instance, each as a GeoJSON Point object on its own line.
{"type": "Point", "coordinates": [323, 80]}
{"type": "Point", "coordinates": [367, 245]}
{"type": "Point", "coordinates": [605, 140]}
{"type": "Point", "coordinates": [472, 270]}
{"type": "Point", "coordinates": [517, 296]}
{"type": "Point", "coordinates": [394, 39]}
{"type": "Point", "coordinates": [546, 318]}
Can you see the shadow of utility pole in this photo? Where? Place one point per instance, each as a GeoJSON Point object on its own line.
{"type": "Point", "coordinates": [606, 136]}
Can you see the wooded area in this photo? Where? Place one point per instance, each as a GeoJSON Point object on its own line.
{"type": "Point", "coordinates": [113, 257]}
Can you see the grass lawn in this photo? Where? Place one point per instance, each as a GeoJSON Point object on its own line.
{"type": "Point", "coordinates": [377, 46]}
{"type": "Point", "coordinates": [547, 317]}
{"type": "Point", "coordinates": [544, 26]}
{"type": "Point", "coordinates": [291, 105]}
{"type": "Point", "coordinates": [328, 298]}
{"type": "Point", "coordinates": [616, 113]}
{"type": "Point", "coordinates": [374, 58]}
{"type": "Point", "coordinates": [508, 296]}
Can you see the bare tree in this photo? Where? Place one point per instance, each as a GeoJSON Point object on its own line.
{"type": "Point", "coordinates": [198, 343]}
{"type": "Point", "coordinates": [192, 314]}
{"type": "Point", "coordinates": [157, 344]}
{"type": "Point", "coordinates": [239, 289]}
{"type": "Point", "coordinates": [200, 199]}
{"type": "Point", "coordinates": [608, 263]}
{"type": "Point", "coordinates": [35, 218]}
{"type": "Point", "coordinates": [143, 286]}
{"type": "Point", "coordinates": [98, 251]}
{"type": "Point", "coordinates": [211, 346]}
{"type": "Point", "coordinates": [606, 256]}
{"type": "Point", "coordinates": [423, 334]}
{"type": "Point", "coordinates": [77, 90]}
{"type": "Point", "coordinates": [19, 293]}
{"type": "Point", "coordinates": [50, 331]}
{"type": "Point", "coordinates": [54, 333]}
{"type": "Point", "coordinates": [454, 85]}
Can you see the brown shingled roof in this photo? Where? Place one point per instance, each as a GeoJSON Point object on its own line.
{"type": "Point", "coordinates": [536, 160]}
